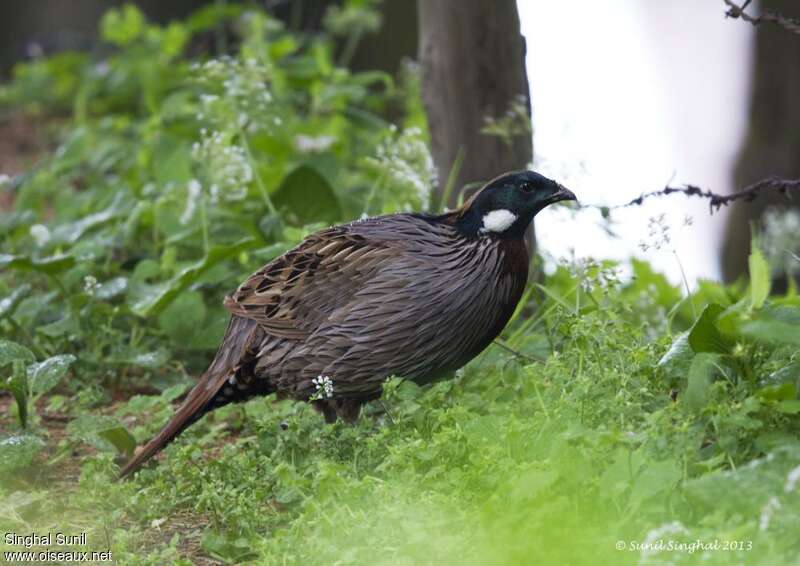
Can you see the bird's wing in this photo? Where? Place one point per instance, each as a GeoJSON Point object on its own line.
{"type": "Point", "coordinates": [292, 295]}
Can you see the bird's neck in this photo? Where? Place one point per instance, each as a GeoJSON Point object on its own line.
{"type": "Point", "coordinates": [472, 223]}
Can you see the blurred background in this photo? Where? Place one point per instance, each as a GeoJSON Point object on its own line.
{"type": "Point", "coordinates": [626, 96]}
{"type": "Point", "coordinates": [153, 153]}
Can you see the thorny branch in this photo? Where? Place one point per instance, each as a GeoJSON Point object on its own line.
{"type": "Point", "coordinates": [736, 11]}
{"type": "Point", "coordinates": [717, 201]}
{"type": "Point", "coordinates": [750, 192]}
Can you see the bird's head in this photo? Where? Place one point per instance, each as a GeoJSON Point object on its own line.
{"type": "Point", "coordinates": [506, 205]}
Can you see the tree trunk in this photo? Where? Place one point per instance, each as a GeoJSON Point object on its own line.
{"type": "Point", "coordinates": [772, 144]}
{"type": "Point", "coordinates": [473, 67]}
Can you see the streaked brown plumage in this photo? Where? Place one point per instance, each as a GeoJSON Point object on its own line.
{"type": "Point", "coordinates": [410, 295]}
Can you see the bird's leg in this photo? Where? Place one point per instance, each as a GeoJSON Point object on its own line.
{"type": "Point", "coordinates": [326, 409]}
{"type": "Point", "coordinates": [348, 409]}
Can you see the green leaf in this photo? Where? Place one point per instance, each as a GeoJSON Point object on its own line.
{"type": "Point", "coordinates": [271, 226]}
{"type": "Point", "coordinates": [72, 232]}
{"type": "Point", "coordinates": [120, 439]}
{"type": "Point", "coordinates": [50, 265]}
{"type": "Point", "coordinates": [308, 197]}
{"type": "Point", "coordinates": [699, 381]}
{"type": "Point", "coordinates": [121, 26]}
{"type": "Point", "coordinates": [226, 548]}
{"type": "Point", "coordinates": [43, 376]}
{"type": "Point", "coordinates": [777, 392]}
{"type": "Point", "coordinates": [774, 325]}
{"type": "Point", "coordinates": [112, 288]}
{"type": "Point", "coordinates": [787, 374]}
{"type": "Point", "coordinates": [149, 360]}
{"type": "Point", "coordinates": [704, 336]}
{"type": "Point", "coordinates": [789, 406]}
{"type": "Point", "coordinates": [679, 357]}
{"type": "Point", "coordinates": [653, 479]}
{"type": "Point", "coordinates": [9, 303]}
{"type": "Point", "coordinates": [183, 317]}
{"type": "Point", "coordinates": [148, 300]}
{"type": "Point", "coordinates": [11, 351]}
{"type": "Point", "coordinates": [760, 279]}
{"type": "Point", "coordinates": [18, 385]}
{"type": "Point", "coordinates": [103, 432]}
{"type": "Point", "coordinates": [211, 15]}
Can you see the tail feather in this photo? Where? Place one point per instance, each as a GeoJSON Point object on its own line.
{"type": "Point", "coordinates": [228, 359]}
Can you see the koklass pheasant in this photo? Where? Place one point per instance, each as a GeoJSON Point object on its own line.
{"type": "Point", "coordinates": [412, 295]}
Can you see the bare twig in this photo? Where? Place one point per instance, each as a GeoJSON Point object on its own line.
{"type": "Point", "coordinates": [737, 11]}
{"type": "Point", "coordinates": [716, 201]}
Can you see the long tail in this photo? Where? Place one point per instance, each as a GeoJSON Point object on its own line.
{"type": "Point", "coordinates": [229, 358]}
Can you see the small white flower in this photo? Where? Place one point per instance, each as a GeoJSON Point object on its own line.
{"type": "Point", "coordinates": [406, 162]}
{"type": "Point", "coordinates": [4, 179]}
{"type": "Point", "coordinates": [311, 144]}
{"type": "Point", "coordinates": [90, 285]}
{"type": "Point", "coordinates": [40, 233]}
{"type": "Point", "coordinates": [766, 513]}
{"type": "Point", "coordinates": [224, 164]}
{"type": "Point", "coordinates": [792, 479]}
{"type": "Point", "coordinates": [194, 190]}
{"type": "Point", "coordinates": [324, 387]}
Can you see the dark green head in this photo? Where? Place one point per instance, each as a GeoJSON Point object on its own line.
{"type": "Point", "coordinates": [506, 205]}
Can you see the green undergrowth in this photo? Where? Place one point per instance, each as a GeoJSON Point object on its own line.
{"type": "Point", "coordinates": [689, 437]}
{"type": "Point", "coordinates": [615, 412]}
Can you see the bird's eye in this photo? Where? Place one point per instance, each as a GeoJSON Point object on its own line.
{"type": "Point", "coordinates": [527, 187]}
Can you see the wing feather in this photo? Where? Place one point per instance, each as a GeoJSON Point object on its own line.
{"type": "Point", "coordinates": [293, 294]}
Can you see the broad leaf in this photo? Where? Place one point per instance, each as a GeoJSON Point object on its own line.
{"type": "Point", "coordinates": [73, 231]}
{"type": "Point", "coordinates": [679, 357]}
{"type": "Point", "coordinates": [775, 325]}
{"type": "Point", "coordinates": [112, 288]}
{"type": "Point", "coordinates": [9, 303]}
{"type": "Point", "coordinates": [183, 317]}
{"type": "Point", "coordinates": [148, 300]}
{"type": "Point", "coordinates": [308, 197]}
{"type": "Point", "coordinates": [705, 336]}
{"type": "Point", "coordinates": [760, 279]}
{"type": "Point", "coordinates": [42, 377]}
{"type": "Point", "coordinates": [103, 432]}
{"type": "Point", "coordinates": [11, 351]}
{"type": "Point", "coordinates": [50, 265]}
{"type": "Point", "coordinates": [18, 385]}
{"type": "Point", "coordinates": [699, 382]}
{"type": "Point", "coordinates": [789, 406]}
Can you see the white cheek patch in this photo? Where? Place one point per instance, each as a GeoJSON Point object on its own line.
{"type": "Point", "coordinates": [498, 220]}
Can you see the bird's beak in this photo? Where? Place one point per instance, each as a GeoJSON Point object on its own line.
{"type": "Point", "coordinates": [563, 193]}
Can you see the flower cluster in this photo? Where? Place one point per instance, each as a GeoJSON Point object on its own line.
{"type": "Point", "coordinates": [592, 274]}
{"type": "Point", "coordinates": [90, 285]}
{"type": "Point", "coordinates": [407, 163]}
{"type": "Point", "coordinates": [324, 388]}
{"type": "Point", "coordinates": [40, 234]}
{"type": "Point", "coordinates": [244, 100]}
{"type": "Point", "coordinates": [658, 236]}
{"type": "Point", "coordinates": [225, 166]}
